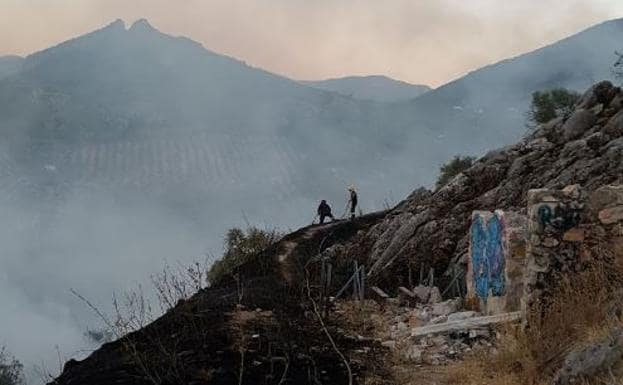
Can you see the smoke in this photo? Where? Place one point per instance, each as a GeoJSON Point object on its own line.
{"type": "Point", "coordinates": [408, 40]}
{"type": "Point", "coordinates": [99, 243]}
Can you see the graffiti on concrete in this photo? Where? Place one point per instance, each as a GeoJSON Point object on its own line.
{"type": "Point", "coordinates": [561, 217]}
{"type": "Point", "coordinates": [488, 258]}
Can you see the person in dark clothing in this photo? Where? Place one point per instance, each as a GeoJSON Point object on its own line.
{"type": "Point", "coordinates": [324, 210]}
{"type": "Point", "coordinates": [352, 201]}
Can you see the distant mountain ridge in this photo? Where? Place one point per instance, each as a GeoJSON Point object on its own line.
{"type": "Point", "coordinates": [375, 87]}
{"type": "Point", "coordinates": [491, 102]}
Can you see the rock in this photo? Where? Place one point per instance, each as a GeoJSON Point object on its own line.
{"type": "Point", "coordinates": [390, 344]}
{"type": "Point", "coordinates": [422, 293]}
{"type": "Point", "coordinates": [600, 93]}
{"type": "Point", "coordinates": [604, 197]}
{"type": "Point", "coordinates": [574, 235]}
{"type": "Point", "coordinates": [578, 123]}
{"type": "Point", "coordinates": [435, 296]}
{"type": "Point", "coordinates": [413, 353]}
{"type": "Point", "coordinates": [401, 327]}
{"type": "Point", "coordinates": [591, 361]}
{"type": "Point", "coordinates": [461, 316]}
{"type": "Point", "coordinates": [445, 308]}
{"type": "Point", "coordinates": [611, 215]}
{"type": "Point", "coordinates": [615, 125]}
{"type": "Point", "coordinates": [479, 333]}
{"type": "Point", "coordinates": [549, 242]}
{"type": "Point", "coordinates": [597, 140]}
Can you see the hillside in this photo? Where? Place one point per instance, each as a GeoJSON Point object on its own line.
{"type": "Point", "coordinates": [376, 88]}
{"type": "Point", "coordinates": [128, 146]}
{"type": "Point", "coordinates": [486, 108]}
{"type": "Point", "coordinates": [9, 65]}
{"type": "Point", "coordinates": [273, 331]}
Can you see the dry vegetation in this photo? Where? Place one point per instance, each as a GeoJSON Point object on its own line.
{"type": "Point", "coordinates": [583, 310]}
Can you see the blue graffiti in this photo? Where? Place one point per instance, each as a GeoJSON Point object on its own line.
{"type": "Point", "coordinates": [487, 249]}
{"type": "Point", "coordinates": [495, 256]}
{"type": "Point", "coordinates": [480, 265]}
{"type": "Point", "coordinates": [562, 217]}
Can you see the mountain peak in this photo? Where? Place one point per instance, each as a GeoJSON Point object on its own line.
{"type": "Point", "coordinates": [142, 25]}
{"type": "Point", "coordinates": [117, 24]}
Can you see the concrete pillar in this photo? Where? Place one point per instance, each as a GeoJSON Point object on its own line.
{"type": "Point", "coordinates": [496, 261]}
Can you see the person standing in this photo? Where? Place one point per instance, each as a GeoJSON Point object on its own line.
{"type": "Point", "coordinates": [352, 201]}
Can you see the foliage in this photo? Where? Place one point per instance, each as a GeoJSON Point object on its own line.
{"type": "Point", "coordinates": [548, 105]}
{"type": "Point", "coordinates": [454, 167]}
{"type": "Point", "coordinates": [11, 370]}
{"type": "Point", "coordinates": [240, 246]}
{"type": "Point", "coordinates": [618, 65]}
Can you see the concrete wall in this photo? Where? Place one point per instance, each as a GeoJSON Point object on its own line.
{"type": "Point", "coordinates": [496, 261]}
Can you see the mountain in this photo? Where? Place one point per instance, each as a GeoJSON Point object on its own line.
{"type": "Point", "coordinates": [9, 65]}
{"type": "Point", "coordinates": [280, 326]}
{"type": "Point", "coordinates": [376, 88]}
{"type": "Point", "coordinates": [486, 108]}
{"type": "Point", "coordinates": [135, 108]}
{"type": "Point", "coordinates": [127, 146]}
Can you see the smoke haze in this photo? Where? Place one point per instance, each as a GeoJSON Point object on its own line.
{"type": "Point", "coordinates": [404, 39]}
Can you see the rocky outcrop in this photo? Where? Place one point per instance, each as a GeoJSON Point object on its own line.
{"type": "Point", "coordinates": [430, 229]}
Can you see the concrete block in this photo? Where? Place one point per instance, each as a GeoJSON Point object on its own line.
{"type": "Point", "coordinates": [496, 260]}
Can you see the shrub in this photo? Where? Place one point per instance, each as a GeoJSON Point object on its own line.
{"type": "Point", "coordinates": [11, 370]}
{"type": "Point", "coordinates": [240, 246]}
{"type": "Point", "coordinates": [580, 312]}
{"type": "Point", "coordinates": [457, 165]}
{"type": "Point", "coordinates": [548, 105]}
{"type": "Point", "coordinates": [618, 65]}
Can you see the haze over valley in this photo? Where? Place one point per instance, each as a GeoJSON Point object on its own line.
{"type": "Point", "coordinates": [128, 147]}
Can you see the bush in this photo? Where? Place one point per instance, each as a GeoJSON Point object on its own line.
{"type": "Point", "coordinates": [618, 66]}
{"type": "Point", "coordinates": [457, 165]}
{"type": "Point", "coordinates": [548, 105]}
{"type": "Point", "coordinates": [582, 309]}
{"type": "Point", "coordinates": [11, 370]}
{"type": "Point", "coordinates": [240, 246]}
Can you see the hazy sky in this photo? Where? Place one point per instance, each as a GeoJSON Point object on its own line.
{"type": "Point", "coordinates": [420, 41]}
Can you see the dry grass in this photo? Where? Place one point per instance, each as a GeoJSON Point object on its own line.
{"type": "Point", "coordinates": [580, 312]}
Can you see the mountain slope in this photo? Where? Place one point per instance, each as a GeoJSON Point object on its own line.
{"type": "Point", "coordinates": [375, 88]}
{"type": "Point", "coordinates": [275, 326]}
{"type": "Point", "coordinates": [486, 108]}
{"type": "Point", "coordinates": [209, 120]}
{"type": "Point", "coordinates": [9, 65]}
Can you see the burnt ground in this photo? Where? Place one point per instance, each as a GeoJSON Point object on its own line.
{"type": "Point", "coordinates": [257, 327]}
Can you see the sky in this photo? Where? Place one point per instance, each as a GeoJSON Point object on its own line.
{"type": "Point", "coordinates": [419, 41]}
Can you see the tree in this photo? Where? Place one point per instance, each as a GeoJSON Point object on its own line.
{"type": "Point", "coordinates": [454, 167]}
{"type": "Point", "coordinates": [618, 65]}
{"type": "Point", "coordinates": [240, 246]}
{"type": "Point", "coordinates": [11, 370]}
{"type": "Point", "coordinates": [548, 105]}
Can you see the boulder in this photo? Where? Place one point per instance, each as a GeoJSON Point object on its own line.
{"type": "Point", "coordinates": [445, 308]}
{"type": "Point", "coordinates": [600, 93]}
{"type": "Point", "coordinates": [578, 123]}
{"type": "Point", "coordinates": [591, 361]}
